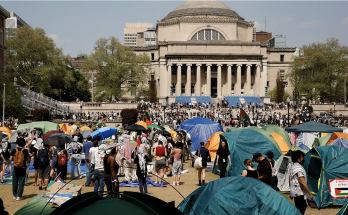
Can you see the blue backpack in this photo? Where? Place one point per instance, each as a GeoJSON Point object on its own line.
{"type": "Point", "coordinates": [43, 157]}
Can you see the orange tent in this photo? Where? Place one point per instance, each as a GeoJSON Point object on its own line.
{"type": "Point", "coordinates": [63, 127]}
{"type": "Point", "coordinates": [281, 143]}
{"type": "Point", "coordinates": [6, 131]}
{"type": "Point", "coordinates": [173, 133]}
{"type": "Point", "coordinates": [213, 144]}
{"type": "Point", "coordinates": [69, 130]}
{"type": "Point", "coordinates": [141, 123]}
{"type": "Point", "coordinates": [336, 135]}
{"type": "Point", "coordinates": [83, 128]}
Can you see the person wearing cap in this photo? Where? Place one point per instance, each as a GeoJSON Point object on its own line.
{"type": "Point", "coordinates": [264, 168]}
{"type": "Point", "coordinates": [75, 157]}
{"type": "Point", "coordinates": [270, 157]}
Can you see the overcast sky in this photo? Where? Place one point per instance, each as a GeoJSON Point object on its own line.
{"type": "Point", "coordinates": [75, 26]}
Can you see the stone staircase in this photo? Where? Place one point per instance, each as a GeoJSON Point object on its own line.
{"type": "Point", "coordinates": [216, 100]}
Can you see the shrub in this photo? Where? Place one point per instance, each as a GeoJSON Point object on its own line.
{"type": "Point", "coordinates": [309, 107]}
{"type": "Point", "coordinates": [78, 124]}
{"type": "Point", "coordinates": [40, 114]}
{"type": "Point", "coordinates": [57, 121]}
{"type": "Point", "coordinates": [129, 116]}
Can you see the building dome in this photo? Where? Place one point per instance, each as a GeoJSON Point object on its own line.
{"type": "Point", "coordinates": [81, 54]}
{"type": "Point", "coordinates": [202, 7]}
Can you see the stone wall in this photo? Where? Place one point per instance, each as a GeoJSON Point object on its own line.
{"type": "Point", "coordinates": [101, 107]}
{"type": "Point", "coordinates": [339, 109]}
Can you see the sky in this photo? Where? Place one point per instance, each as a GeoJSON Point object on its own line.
{"type": "Point", "coordinates": [76, 25]}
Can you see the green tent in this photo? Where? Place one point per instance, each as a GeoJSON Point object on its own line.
{"type": "Point", "coordinates": [153, 125]}
{"type": "Point", "coordinates": [35, 206]}
{"type": "Point", "coordinates": [243, 143]}
{"type": "Point", "coordinates": [276, 129]}
{"type": "Point", "coordinates": [130, 203]}
{"type": "Point", "coordinates": [344, 210]}
{"type": "Point", "coordinates": [236, 195]}
{"type": "Point", "coordinates": [42, 125]}
{"type": "Point", "coordinates": [326, 165]}
{"type": "Point", "coordinates": [313, 126]}
{"type": "Point", "coordinates": [321, 141]}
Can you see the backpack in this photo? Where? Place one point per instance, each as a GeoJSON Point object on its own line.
{"type": "Point", "coordinates": [62, 159]}
{"type": "Point", "coordinates": [43, 157]}
{"type": "Point", "coordinates": [18, 160]}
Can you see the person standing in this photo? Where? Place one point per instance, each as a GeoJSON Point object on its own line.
{"type": "Point", "coordinates": [79, 135]}
{"type": "Point", "coordinates": [205, 155]}
{"type": "Point", "coordinates": [20, 157]}
{"type": "Point", "coordinates": [85, 149]}
{"type": "Point", "coordinates": [127, 160]}
{"type": "Point", "coordinates": [223, 153]}
{"type": "Point", "coordinates": [299, 190]}
{"type": "Point", "coordinates": [43, 157]}
{"type": "Point", "coordinates": [75, 157]}
{"type": "Point", "coordinates": [177, 166]}
{"type": "Point", "coordinates": [62, 162]}
{"type": "Point", "coordinates": [110, 171]}
{"type": "Point", "coordinates": [5, 148]}
{"type": "Point", "coordinates": [264, 168]}
{"type": "Point", "coordinates": [160, 153]}
{"type": "Point", "coordinates": [140, 162]}
{"type": "Point", "coordinates": [250, 171]}
{"type": "Point", "coordinates": [270, 157]}
{"type": "Point", "coordinates": [99, 170]}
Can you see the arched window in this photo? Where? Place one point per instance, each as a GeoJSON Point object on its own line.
{"type": "Point", "coordinates": [208, 34]}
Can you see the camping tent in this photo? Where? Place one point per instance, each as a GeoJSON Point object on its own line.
{"type": "Point", "coordinates": [281, 143]}
{"type": "Point", "coordinates": [35, 206]}
{"type": "Point", "coordinates": [142, 124]}
{"type": "Point", "coordinates": [313, 126]}
{"type": "Point", "coordinates": [324, 166]}
{"type": "Point", "coordinates": [283, 165]}
{"type": "Point", "coordinates": [321, 141]}
{"type": "Point", "coordinates": [213, 144]}
{"type": "Point", "coordinates": [6, 130]}
{"type": "Point", "coordinates": [243, 143]}
{"type": "Point", "coordinates": [200, 130]}
{"type": "Point", "coordinates": [236, 195]}
{"type": "Point", "coordinates": [43, 125]}
{"type": "Point", "coordinates": [340, 142]}
{"type": "Point", "coordinates": [344, 210]}
{"type": "Point", "coordinates": [336, 135]}
{"type": "Point", "coordinates": [276, 129]}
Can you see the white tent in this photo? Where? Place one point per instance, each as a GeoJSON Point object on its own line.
{"type": "Point", "coordinates": [283, 166]}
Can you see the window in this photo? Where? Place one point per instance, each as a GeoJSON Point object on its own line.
{"type": "Point", "coordinates": [193, 71]}
{"type": "Point", "coordinates": [182, 88]}
{"type": "Point", "coordinates": [208, 34]}
{"type": "Point", "coordinates": [183, 70]}
{"type": "Point", "coordinates": [282, 74]}
{"type": "Point", "coordinates": [133, 90]}
{"type": "Point", "coordinates": [243, 73]}
{"type": "Point", "coordinates": [192, 88]}
{"type": "Point", "coordinates": [1, 22]}
{"type": "Point", "coordinates": [174, 70]}
{"type": "Point", "coordinates": [281, 58]}
{"type": "Point", "coordinates": [152, 56]}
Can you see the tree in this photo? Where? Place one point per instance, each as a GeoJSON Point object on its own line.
{"type": "Point", "coordinates": [280, 89]}
{"type": "Point", "coordinates": [129, 116]}
{"type": "Point", "coordinates": [153, 91]}
{"type": "Point", "coordinates": [41, 114]}
{"type": "Point", "coordinates": [273, 95]}
{"type": "Point", "coordinates": [13, 102]}
{"type": "Point", "coordinates": [35, 60]}
{"type": "Point", "coordinates": [319, 70]}
{"type": "Point", "coordinates": [119, 69]}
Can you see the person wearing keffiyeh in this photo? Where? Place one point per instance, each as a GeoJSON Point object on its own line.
{"type": "Point", "coordinates": [140, 162]}
{"type": "Point", "coordinates": [126, 159]}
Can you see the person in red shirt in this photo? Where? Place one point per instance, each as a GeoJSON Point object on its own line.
{"type": "Point", "coordinates": [160, 153]}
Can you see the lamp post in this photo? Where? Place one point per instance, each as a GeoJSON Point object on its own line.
{"type": "Point", "coordinates": [253, 105]}
{"type": "Point", "coordinates": [288, 100]}
{"type": "Point", "coordinates": [81, 111]}
{"type": "Point", "coordinates": [164, 114]}
{"type": "Point", "coordinates": [334, 109]}
{"type": "Point", "coordinates": [225, 102]}
{"type": "Point", "coordinates": [3, 108]}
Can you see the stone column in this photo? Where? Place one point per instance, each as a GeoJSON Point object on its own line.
{"type": "Point", "coordinates": [264, 79]}
{"type": "Point", "coordinates": [229, 79]}
{"type": "Point", "coordinates": [208, 89]}
{"type": "Point", "coordinates": [169, 76]}
{"type": "Point", "coordinates": [219, 90]}
{"type": "Point", "coordinates": [163, 82]}
{"type": "Point", "coordinates": [178, 80]}
{"type": "Point", "coordinates": [248, 80]}
{"type": "Point", "coordinates": [188, 79]}
{"type": "Point", "coordinates": [198, 80]}
{"type": "Point", "coordinates": [257, 88]}
{"type": "Point", "coordinates": [237, 87]}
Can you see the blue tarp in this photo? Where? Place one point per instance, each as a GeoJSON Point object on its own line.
{"type": "Point", "coordinates": [243, 143]}
{"type": "Point", "coordinates": [340, 142]}
{"type": "Point", "coordinates": [236, 195]}
{"type": "Point", "coordinates": [304, 147]}
{"type": "Point", "coordinates": [135, 183]}
{"type": "Point", "coordinates": [323, 164]}
{"type": "Point", "coordinates": [200, 130]}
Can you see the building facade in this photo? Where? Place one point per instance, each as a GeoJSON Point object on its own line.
{"type": "Point", "coordinates": [204, 48]}
{"type": "Point", "coordinates": [14, 22]}
{"type": "Point", "coordinates": [131, 30]}
{"type": "Point", "coordinates": [4, 14]}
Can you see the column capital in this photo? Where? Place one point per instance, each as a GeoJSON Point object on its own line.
{"type": "Point", "coordinates": [208, 64]}
{"type": "Point", "coordinates": [248, 65]}
{"type": "Point", "coordinates": [219, 64]}
{"type": "Point", "coordinates": [188, 64]}
{"type": "Point", "coordinates": [229, 65]}
{"type": "Point", "coordinates": [198, 64]}
{"type": "Point", "coordinates": [169, 64]}
{"type": "Point", "coordinates": [258, 65]}
{"type": "Point", "coordinates": [239, 65]}
{"type": "Point", "coordinates": [179, 64]}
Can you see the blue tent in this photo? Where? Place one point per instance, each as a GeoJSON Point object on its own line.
{"type": "Point", "coordinates": [243, 143]}
{"type": "Point", "coordinates": [344, 210]}
{"type": "Point", "coordinates": [200, 130]}
{"type": "Point", "coordinates": [236, 195]}
{"type": "Point", "coordinates": [340, 142]}
{"type": "Point", "coordinates": [326, 165]}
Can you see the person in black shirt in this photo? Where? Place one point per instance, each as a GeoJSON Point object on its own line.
{"type": "Point", "coordinates": [250, 171]}
{"type": "Point", "coordinates": [264, 168]}
{"type": "Point", "coordinates": [140, 162]}
{"type": "Point", "coordinates": [79, 135]}
{"type": "Point", "coordinates": [19, 173]}
{"type": "Point", "coordinates": [5, 152]}
{"type": "Point", "coordinates": [270, 157]}
{"type": "Point", "coordinates": [223, 153]}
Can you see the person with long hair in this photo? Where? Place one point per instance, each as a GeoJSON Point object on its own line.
{"type": "Point", "coordinates": [250, 171]}
{"type": "Point", "coordinates": [223, 153]}
{"type": "Point", "coordinates": [161, 154]}
{"type": "Point", "coordinates": [110, 171]}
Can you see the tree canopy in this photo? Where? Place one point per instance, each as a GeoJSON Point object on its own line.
{"type": "Point", "coordinates": [120, 70]}
{"type": "Point", "coordinates": [319, 70]}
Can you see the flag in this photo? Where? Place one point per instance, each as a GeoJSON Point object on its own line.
{"type": "Point", "coordinates": [245, 116]}
{"type": "Point", "coordinates": [148, 122]}
{"type": "Point", "coordinates": [138, 142]}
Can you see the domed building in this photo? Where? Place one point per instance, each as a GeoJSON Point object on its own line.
{"type": "Point", "coordinates": [204, 48]}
